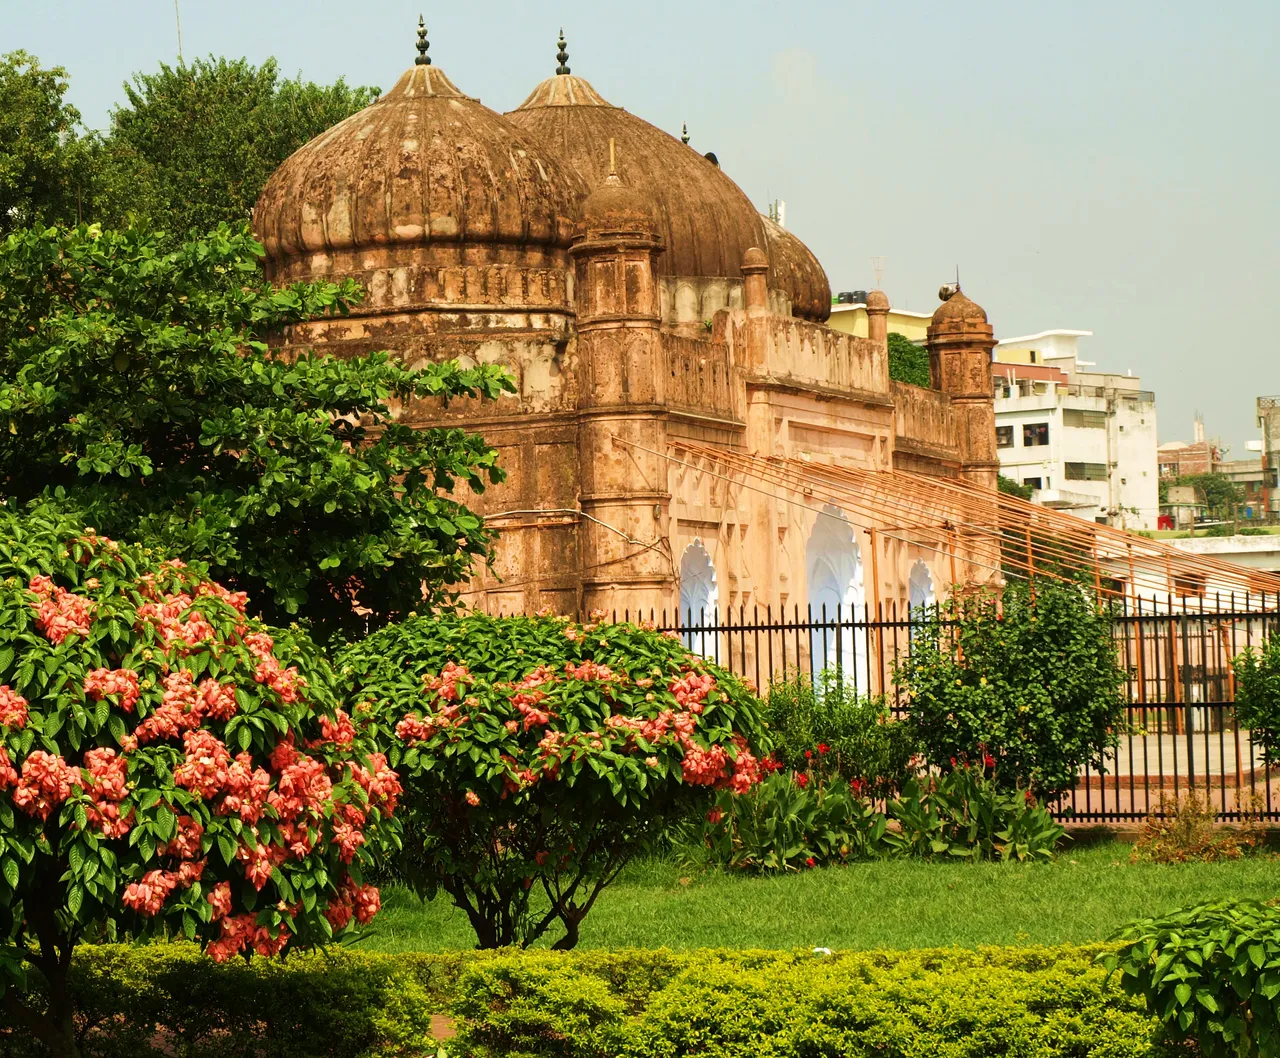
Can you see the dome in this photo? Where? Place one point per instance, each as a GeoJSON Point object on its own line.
{"type": "Point", "coordinates": [613, 208]}
{"type": "Point", "coordinates": [877, 300]}
{"type": "Point", "coordinates": [424, 164]}
{"type": "Point", "coordinates": [705, 220]}
{"type": "Point", "coordinates": [959, 307]}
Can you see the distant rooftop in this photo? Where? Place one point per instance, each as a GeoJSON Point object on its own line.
{"type": "Point", "coordinates": [1045, 334]}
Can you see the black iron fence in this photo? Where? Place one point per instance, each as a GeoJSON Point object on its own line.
{"type": "Point", "coordinates": [1183, 735]}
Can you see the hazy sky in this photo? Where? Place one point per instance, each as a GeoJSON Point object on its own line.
{"type": "Point", "coordinates": [1109, 166]}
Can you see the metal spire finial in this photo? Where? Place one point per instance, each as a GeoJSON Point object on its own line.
{"type": "Point", "coordinates": [562, 55]}
{"type": "Point", "coordinates": [423, 58]}
{"type": "Point", "coordinates": [684, 133]}
{"type": "Point", "coordinates": [613, 160]}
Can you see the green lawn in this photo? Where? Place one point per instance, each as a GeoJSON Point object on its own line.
{"type": "Point", "coordinates": [1083, 896]}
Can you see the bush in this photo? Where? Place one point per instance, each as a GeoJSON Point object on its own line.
{"type": "Point", "coordinates": [1258, 694]}
{"type": "Point", "coordinates": [168, 767]}
{"type": "Point", "coordinates": [1035, 683]}
{"type": "Point", "coordinates": [1210, 973]}
{"type": "Point", "coordinates": [967, 814]}
{"type": "Point", "coordinates": [1185, 829]}
{"type": "Point", "coordinates": [539, 752]}
{"type": "Point", "coordinates": [1050, 1002]}
{"type": "Point", "coordinates": [830, 730]}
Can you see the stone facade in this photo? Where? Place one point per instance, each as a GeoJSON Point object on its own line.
{"type": "Point", "coordinates": [641, 304]}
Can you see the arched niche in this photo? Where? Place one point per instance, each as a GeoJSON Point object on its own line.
{"type": "Point", "coordinates": [921, 593]}
{"type": "Point", "coordinates": [699, 597]}
{"type": "Point", "coordinates": [837, 599]}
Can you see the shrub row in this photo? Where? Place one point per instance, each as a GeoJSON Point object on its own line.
{"type": "Point", "coordinates": [1037, 1002]}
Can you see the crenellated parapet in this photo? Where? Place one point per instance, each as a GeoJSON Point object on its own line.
{"type": "Point", "coordinates": [924, 426]}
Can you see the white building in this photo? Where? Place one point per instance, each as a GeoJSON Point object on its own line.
{"type": "Point", "coordinates": [1084, 440]}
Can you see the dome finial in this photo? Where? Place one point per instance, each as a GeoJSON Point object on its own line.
{"type": "Point", "coordinates": [423, 58]}
{"type": "Point", "coordinates": [562, 56]}
{"type": "Point", "coordinates": [613, 161]}
{"type": "Point", "coordinates": [684, 134]}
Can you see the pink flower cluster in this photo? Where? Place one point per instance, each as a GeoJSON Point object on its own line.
{"type": "Point", "coordinates": [13, 708]}
{"type": "Point", "coordinates": [185, 705]}
{"type": "Point", "coordinates": [692, 690]}
{"type": "Point", "coordinates": [237, 600]}
{"type": "Point", "coordinates": [340, 730]}
{"type": "Point", "coordinates": [59, 613]}
{"type": "Point", "coordinates": [106, 786]}
{"type": "Point", "coordinates": [446, 684]}
{"type": "Point", "coordinates": [101, 683]}
{"type": "Point", "coordinates": [45, 783]}
{"type": "Point", "coordinates": [360, 901]}
{"type": "Point", "coordinates": [8, 773]}
{"type": "Point", "coordinates": [242, 931]}
{"type": "Point", "coordinates": [380, 784]}
{"type": "Point", "coordinates": [175, 620]}
{"type": "Point", "coordinates": [590, 670]}
{"type": "Point", "coordinates": [287, 683]}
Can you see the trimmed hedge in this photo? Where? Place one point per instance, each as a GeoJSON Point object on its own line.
{"type": "Point", "coordinates": [1035, 1002]}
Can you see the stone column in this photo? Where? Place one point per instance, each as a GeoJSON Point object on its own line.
{"type": "Point", "coordinates": [622, 428]}
{"type": "Point", "coordinates": [960, 341]}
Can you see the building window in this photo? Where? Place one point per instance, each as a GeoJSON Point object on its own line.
{"type": "Point", "coordinates": [1188, 584]}
{"type": "Point", "coordinates": [1035, 433]}
{"type": "Point", "coordinates": [1093, 420]}
{"type": "Point", "coordinates": [1086, 471]}
{"type": "Point", "coordinates": [1033, 482]}
{"type": "Point", "coordinates": [1004, 436]}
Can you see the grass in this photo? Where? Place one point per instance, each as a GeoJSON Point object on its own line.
{"type": "Point", "coordinates": [1083, 896]}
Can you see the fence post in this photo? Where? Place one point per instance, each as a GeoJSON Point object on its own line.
{"type": "Point", "coordinates": [1188, 715]}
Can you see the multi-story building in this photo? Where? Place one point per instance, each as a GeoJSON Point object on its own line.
{"type": "Point", "coordinates": [849, 314]}
{"type": "Point", "coordinates": [1084, 440]}
{"type": "Point", "coordinates": [1202, 455]}
{"type": "Point", "coordinates": [1269, 427]}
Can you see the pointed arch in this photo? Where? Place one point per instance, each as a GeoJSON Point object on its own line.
{"type": "Point", "coordinates": [836, 597]}
{"type": "Point", "coordinates": [699, 597]}
{"type": "Point", "coordinates": [920, 589]}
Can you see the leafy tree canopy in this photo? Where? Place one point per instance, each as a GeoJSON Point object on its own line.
{"type": "Point", "coordinates": [195, 143]}
{"type": "Point", "coordinates": [908, 362]}
{"type": "Point", "coordinates": [135, 385]}
{"type": "Point", "coordinates": [1220, 493]}
{"type": "Point", "coordinates": [1014, 488]}
{"type": "Point", "coordinates": [43, 157]}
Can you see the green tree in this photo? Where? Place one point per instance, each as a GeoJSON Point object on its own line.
{"type": "Point", "coordinates": [908, 362]}
{"type": "Point", "coordinates": [195, 143]}
{"type": "Point", "coordinates": [135, 385]}
{"type": "Point", "coordinates": [1014, 488]}
{"type": "Point", "coordinates": [1219, 492]}
{"type": "Point", "coordinates": [44, 158]}
{"type": "Point", "coordinates": [1032, 681]}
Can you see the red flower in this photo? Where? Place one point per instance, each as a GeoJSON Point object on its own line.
{"type": "Point", "coordinates": [810, 862]}
{"type": "Point", "coordinates": [822, 747]}
{"type": "Point", "coordinates": [1029, 797]}
{"type": "Point", "coordinates": [988, 761]}
{"type": "Point", "coordinates": [802, 780]}
{"type": "Point", "coordinates": [808, 754]}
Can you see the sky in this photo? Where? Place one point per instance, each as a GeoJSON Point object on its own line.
{"type": "Point", "coordinates": [1104, 166]}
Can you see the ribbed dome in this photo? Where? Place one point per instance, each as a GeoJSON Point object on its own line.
{"type": "Point", "coordinates": [424, 164]}
{"type": "Point", "coordinates": [703, 217]}
{"type": "Point", "coordinates": [959, 307]}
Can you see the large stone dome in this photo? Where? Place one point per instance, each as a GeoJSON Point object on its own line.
{"type": "Point", "coordinates": [705, 220]}
{"type": "Point", "coordinates": [424, 164]}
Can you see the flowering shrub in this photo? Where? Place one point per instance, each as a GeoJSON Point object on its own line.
{"type": "Point", "coordinates": [168, 767]}
{"type": "Point", "coordinates": [824, 727]}
{"type": "Point", "coordinates": [539, 756]}
{"type": "Point", "coordinates": [1034, 679]}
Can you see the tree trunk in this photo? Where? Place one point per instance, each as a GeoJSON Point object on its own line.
{"type": "Point", "coordinates": [56, 1029]}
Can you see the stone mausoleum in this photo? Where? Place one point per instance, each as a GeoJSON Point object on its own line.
{"type": "Point", "coordinates": [647, 312]}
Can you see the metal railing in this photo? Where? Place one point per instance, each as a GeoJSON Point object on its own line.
{"type": "Point", "coordinates": [1182, 734]}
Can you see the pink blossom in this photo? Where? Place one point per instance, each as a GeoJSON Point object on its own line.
{"type": "Point", "coordinates": [187, 840]}
{"type": "Point", "coordinates": [303, 787]}
{"type": "Point", "coordinates": [473, 799]}
{"type": "Point", "coordinates": [340, 730]}
{"type": "Point", "coordinates": [237, 600]}
{"type": "Point", "coordinates": [446, 684]}
{"type": "Point", "coordinates": [247, 789]}
{"type": "Point", "coordinates": [220, 900]}
{"type": "Point", "coordinates": [101, 683]}
{"type": "Point", "coordinates": [368, 902]}
{"type": "Point", "coordinates": [285, 682]}
{"type": "Point", "coordinates": [380, 782]}
{"type": "Point", "coordinates": [8, 774]}
{"type": "Point", "coordinates": [260, 862]}
{"type": "Point", "coordinates": [46, 782]}
{"type": "Point", "coordinates": [59, 613]}
{"type": "Point", "coordinates": [414, 729]}
{"type": "Point", "coordinates": [147, 897]}
{"type": "Point", "coordinates": [216, 700]}
{"type": "Point", "coordinates": [204, 771]}
{"type": "Point", "coordinates": [13, 708]}
{"type": "Point", "coordinates": [348, 839]}
{"type": "Point", "coordinates": [704, 767]}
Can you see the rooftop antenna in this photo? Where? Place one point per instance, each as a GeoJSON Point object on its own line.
{"type": "Point", "coordinates": [877, 269]}
{"type": "Point", "coordinates": [562, 56]}
{"type": "Point", "coordinates": [177, 17]}
{"type": "Point", "coordinates": [423, 58]}
{"type": "Point", "coordinates": [684, 133]}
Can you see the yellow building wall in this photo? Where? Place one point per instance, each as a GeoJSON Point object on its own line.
{"type": "Point", "coordinates": [854, 321]}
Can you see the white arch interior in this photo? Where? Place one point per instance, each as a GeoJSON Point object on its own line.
{"type": "Point", "coordinates": [699, 597]}
{"type": "Point", "coordinates": [920, 586]}
{"type": "Point", "coordinates": [837, 599]}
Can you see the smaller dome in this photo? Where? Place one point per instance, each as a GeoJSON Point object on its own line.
{"type": "Point", "coordinates": [755, 259]}
{"type": "Point", "coordinates": [877, 301]}
{"type": "Point", "coordinates": [959, 307]}
{"type": "Point", "coordinates": [614, 208]}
